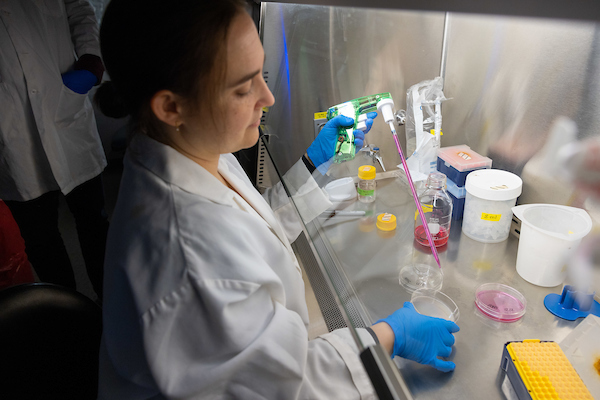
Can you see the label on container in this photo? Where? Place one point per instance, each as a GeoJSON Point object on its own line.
{"type": "Point", "coordinates": [386, 217]}
{"type": "Point", "coordinates": [363, 192]}
{"type": "Point", "coordinates": [491, 217]}
{"type": "Point", "coordinates": [499, 187]}
{"type": "Point", "coordinates": [320, 115]}
{"type": "Point", "coordinates": [464, 155]}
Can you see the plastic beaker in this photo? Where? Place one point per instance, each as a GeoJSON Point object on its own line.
{"type": "Point", "coordinates": [549, 235]}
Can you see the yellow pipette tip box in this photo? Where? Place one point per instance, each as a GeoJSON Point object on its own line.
{"type": "Point", "coordinates": [540, 370]}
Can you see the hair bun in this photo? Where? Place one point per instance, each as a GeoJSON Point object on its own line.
{"type": "Point", "coordinates": [109, 101]}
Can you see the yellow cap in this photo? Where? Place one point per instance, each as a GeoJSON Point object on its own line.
{"type": "Point", "coordinates": [386, 222]}
{"type": "Point", "coordinates": [366, 172]}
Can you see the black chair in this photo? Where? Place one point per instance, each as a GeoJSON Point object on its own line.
{"type": "Point", "coordinates": [49, 341]}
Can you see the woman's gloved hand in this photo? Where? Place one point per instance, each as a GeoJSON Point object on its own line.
{"type": "Point", "coordinates": [80, 80]}
{"type": "Point", "coordinates": [421, 338]}
{"type": "Point", "coordinates": [322, 148]}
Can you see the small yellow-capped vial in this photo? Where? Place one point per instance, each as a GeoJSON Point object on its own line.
{"type": "Point", "coordinates": [366, 184]}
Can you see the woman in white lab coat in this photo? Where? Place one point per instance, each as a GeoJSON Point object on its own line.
{"type": "Point", "coordinates": [203, 294]}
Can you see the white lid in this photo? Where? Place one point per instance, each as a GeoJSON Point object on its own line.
{"type": "Point", "coordinates": [494, 184]}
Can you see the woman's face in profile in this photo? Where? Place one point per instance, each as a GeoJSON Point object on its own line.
{"type": "Point", "coordinates": [234, 126]}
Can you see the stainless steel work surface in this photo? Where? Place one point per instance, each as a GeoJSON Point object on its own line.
{"type": "Point", "coordinates": [371, 263]}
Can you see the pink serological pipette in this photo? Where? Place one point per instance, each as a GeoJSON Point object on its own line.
{"type": "Point", "coordinates": [415, 196]}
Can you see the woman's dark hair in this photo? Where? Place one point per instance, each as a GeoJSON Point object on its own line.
{"type": "Point", "coordinates": [151, 45]}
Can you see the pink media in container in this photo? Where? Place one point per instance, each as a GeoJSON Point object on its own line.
{"type": "Point", "coordinates": [500, 302]}
{"type": "Point", "coordinates": [439, 239]}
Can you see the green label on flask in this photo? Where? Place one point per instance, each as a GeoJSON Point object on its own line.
{"type": "Point", "coordinates": [363, 192]}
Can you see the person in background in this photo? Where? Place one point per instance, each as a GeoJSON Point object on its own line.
{"type": "Point", "coordinates": [204, 296]}
{"type": "Point", "coordinates": [579, 163]}
{"type": "Point", "coordinates": [49, 143]}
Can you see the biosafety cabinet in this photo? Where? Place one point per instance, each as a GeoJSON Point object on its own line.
{"type": "Point", "coordinates": [511, 69]}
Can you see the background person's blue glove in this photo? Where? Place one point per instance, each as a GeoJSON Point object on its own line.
{"type": "Point", "coordinates": [421, 338]}
{"type": "Point", "coordinates": [322, 148]}
{"type": "Point", "coordinates": [80, 80]}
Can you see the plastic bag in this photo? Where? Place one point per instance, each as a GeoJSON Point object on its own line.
{"type": "Point", "coordinates": [423, 114]}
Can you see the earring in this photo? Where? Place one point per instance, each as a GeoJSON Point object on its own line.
{"type": "Point", "coordinates": [177, 126]}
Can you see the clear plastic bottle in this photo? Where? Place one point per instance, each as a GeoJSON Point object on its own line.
{"type": "Point", "coordinates": [437, 208]}
{"type": "Point", "coordinates": [366, 184]}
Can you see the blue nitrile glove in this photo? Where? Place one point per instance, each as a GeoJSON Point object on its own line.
{"type": "Point", "coordinates": [421, 338]}
{"type": "Point", "coordinates": [80, 81]}
{"type": "Point", "coordinates": [322, 148]}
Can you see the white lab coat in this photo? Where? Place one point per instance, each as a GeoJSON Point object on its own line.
{"type": "Point", "coordinates": [203, 296]}
{"type": "Point", "coordinates": [48, 134]}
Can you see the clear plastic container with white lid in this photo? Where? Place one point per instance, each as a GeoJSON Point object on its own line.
{"type": "Point", "coordinates": [491, 194]}
{"type": "Point", "coordinates": [456, 162]}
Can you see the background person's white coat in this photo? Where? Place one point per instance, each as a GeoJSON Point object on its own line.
{"type": "Point", "coordinates": [48, 134]}
{"type": "Point", "coordinates": [204, 297]}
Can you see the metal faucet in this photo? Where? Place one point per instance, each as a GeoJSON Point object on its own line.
{"type": "Point", "coordinates": [373, 152]}
{"type": "Point", "coordinates": [400, 117]}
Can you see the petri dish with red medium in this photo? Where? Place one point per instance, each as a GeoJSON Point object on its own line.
{"type": "Point", "coordinates": [500, 302]}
